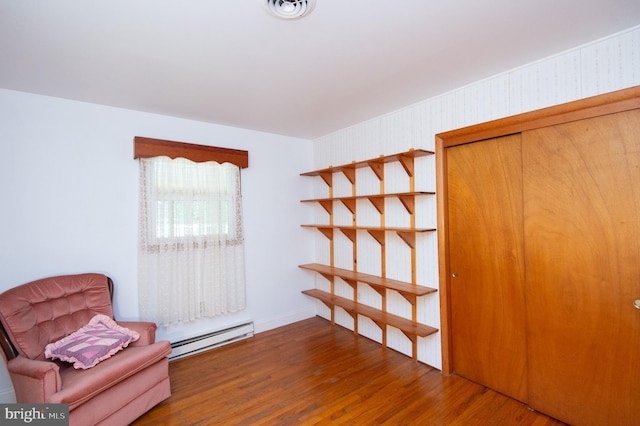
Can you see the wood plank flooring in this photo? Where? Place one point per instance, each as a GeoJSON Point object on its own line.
{"type": "Point", "coordinates": [311, 373]}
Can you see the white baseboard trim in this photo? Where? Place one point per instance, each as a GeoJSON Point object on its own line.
{"type": "Point", "coordinates": [272, 323]}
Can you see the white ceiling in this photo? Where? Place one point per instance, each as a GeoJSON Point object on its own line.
{"type": "Point", "coordinates": [231, 63]}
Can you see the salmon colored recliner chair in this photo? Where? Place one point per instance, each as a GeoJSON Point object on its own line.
{"type": "Point", "coordinates": [117, 390]}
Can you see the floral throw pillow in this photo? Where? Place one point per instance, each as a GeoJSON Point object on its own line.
{"type": "Point", "coordinates": [95, 342]}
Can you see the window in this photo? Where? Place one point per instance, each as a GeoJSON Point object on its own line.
{"type": "Point", "coordinates": [191, 255]}
{"type": "Point", "coordinates": [193, 199]}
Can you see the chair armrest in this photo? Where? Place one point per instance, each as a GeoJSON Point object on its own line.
{"type": "Point", "coordinates": [34, 381]}
{"type": "Point", "coordinates": [146, 329]}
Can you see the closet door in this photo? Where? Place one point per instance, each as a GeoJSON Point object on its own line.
{"type": "Point", "coordinates": [582, 244]}
{"type": "Point", "coordinates": [486, 261]}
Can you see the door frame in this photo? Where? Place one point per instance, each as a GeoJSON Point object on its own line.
{"type": "Point", "coordinates": [609, 103]}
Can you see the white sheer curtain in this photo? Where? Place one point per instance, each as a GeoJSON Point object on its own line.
{"type": "Point", "coordinates": [190, 251]}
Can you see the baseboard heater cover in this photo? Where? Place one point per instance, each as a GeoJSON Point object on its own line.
{"type": "Point", "coordinates": [205, 342]}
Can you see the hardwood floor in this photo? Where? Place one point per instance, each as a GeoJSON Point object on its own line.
{"type": "Point", "coordinates": [313, 373]}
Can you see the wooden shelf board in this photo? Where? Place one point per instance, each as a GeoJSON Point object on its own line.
{"type": "Point", "coordinates": [371, 196]}
{"type": "Point", "coordinates": [414, 153]}
{"type": "Point", "coordinates": [372, 280]}
{"type": "Point", "coordinates": [405, 325]}
{"type": "Point", "coordinates": [369, 228]}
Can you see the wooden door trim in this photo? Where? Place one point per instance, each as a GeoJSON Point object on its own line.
{"type": "Point", "coordinates": [609, 103]}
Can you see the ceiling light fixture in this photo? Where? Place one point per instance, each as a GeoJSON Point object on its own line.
{"type": "Point", "coordinates": [289, 9]}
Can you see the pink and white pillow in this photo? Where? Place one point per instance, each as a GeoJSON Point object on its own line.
{"type": "Point", "coordinates": [95, 342]}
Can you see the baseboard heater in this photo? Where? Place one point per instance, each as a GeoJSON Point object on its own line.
{"type": "Point", "coordinates": [205, 342]}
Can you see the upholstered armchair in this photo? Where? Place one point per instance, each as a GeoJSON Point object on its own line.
{"type": "Point", "coordinates": [122, 385]}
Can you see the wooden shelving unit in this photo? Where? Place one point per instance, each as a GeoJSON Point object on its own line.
{"type": "Point", "coordinates": [410, 291]}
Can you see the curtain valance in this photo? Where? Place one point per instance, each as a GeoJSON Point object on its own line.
{"type": "Point", "coordinates": [148, 147]}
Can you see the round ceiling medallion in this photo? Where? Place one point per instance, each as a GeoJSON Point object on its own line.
{"type": "Point", "coordinates": [289, 9]}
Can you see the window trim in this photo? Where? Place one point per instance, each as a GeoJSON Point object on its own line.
{"type": "Point", "coordinates": [148, 147]}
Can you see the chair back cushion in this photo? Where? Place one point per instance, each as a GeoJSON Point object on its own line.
{"type": "Point", "coordinates": [44, 311]}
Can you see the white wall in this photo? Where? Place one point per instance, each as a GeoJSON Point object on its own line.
{"type": "Point", "coordinates": [605, 65]}
{"type": "Point", "coordinates": [69, 193]}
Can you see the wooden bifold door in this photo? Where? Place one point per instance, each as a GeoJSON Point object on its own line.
{"type": "Point", "coordinates": [543, 265]}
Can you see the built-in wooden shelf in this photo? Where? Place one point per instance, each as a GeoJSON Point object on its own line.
{"type": "Point", "coordinates": [371, 228]}
{"type": "Point", "coordinates": [410, 291]}
{"type": "Point", "coordinates": [376, 165]}
{"type": "Point", "coordinates": [407, 290]}
{"type": "Point", "coordinates": [406, 198]}
{"type": "Point", "coordinates": [408, 235]}
{"type": "Point", "coordinates": [411, 329]}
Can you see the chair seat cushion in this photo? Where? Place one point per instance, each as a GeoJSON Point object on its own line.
{"type": "Point", "coordinates": [79, 386]}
